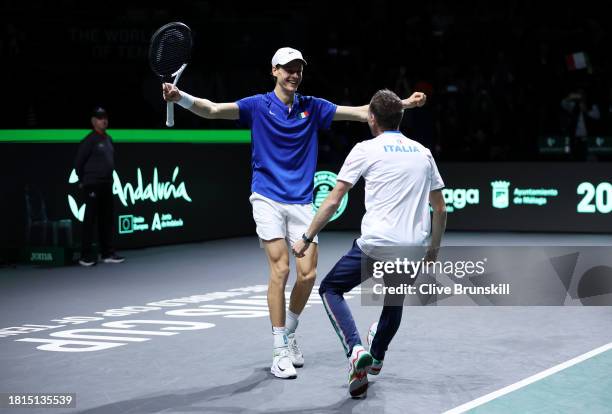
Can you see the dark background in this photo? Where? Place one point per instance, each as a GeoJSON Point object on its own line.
{"type": "Point", "coordinates": [495, 72]}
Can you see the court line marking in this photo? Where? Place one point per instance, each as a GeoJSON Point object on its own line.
{"type": "Point", "coordinates": [530, 380]}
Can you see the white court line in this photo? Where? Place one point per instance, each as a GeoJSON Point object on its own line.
{"type": "Point", "coordinates": [530, 380]}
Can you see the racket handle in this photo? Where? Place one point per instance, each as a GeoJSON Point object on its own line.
{"type": "Point", "coordinates": [170, 105]}
{"type": "Point", "coordinates": [169, 114]}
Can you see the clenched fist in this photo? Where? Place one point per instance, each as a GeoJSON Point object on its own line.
{"type": "Point", "coordinates": [170, 92]}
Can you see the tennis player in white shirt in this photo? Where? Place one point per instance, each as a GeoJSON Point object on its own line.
{"type": "Point", "coordinates": [401, 182]}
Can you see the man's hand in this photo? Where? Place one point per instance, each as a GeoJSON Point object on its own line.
{"type": "Point", "coordinates": [170, 92]}
{"type": "Point", "coordinates": [416, 99]}
{"type": "Point", "coordinates": [432, 254]}
{"type": "Point", "coordinates": [299, 247]}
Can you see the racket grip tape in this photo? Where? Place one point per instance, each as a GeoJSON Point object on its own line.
{"type": "Point", "coordinates": [169, 114]}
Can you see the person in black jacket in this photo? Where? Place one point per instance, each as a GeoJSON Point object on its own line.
{"type": "Point", "coordinates": [94, 165]}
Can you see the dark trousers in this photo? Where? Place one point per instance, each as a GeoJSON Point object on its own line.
{"type": "Point", "coordinates": [99, 210]}
{"type": "Point", "coordinates": [343, 277]}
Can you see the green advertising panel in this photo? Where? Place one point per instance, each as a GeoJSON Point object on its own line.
{"type": "Point", "coordinates": [208, 136]}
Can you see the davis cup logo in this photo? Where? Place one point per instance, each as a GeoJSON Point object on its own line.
{"type": "Point", "coordinates": [324, 182]}
{"type": "Point", "coordinates": [501, 194]}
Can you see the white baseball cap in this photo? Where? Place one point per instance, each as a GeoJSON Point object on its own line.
{"type": "Point", "coordinates": [285, 55]}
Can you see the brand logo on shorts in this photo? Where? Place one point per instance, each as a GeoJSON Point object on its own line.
{"type": "Point", "coordinates": [324, 182]}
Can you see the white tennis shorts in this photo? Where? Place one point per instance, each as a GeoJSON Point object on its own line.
{"type": "Point", "coordinates": [277, 220]}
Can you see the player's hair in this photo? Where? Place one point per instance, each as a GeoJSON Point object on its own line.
{"type": "Point", "coordinates": [272, 77]}
{"type": "Point", "coordinates": [387, 108]}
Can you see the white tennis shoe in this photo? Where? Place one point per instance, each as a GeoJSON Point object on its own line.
{"type": "Point", "coordinates": [377, 364]}
{"type": "Point", "coordinates": [282, 367]}
{"type": "Point", "coordinates": [359, 361]}
{"type": "Point", "coordinates": [372, 334]}
{"type": "Point", "coordinates": [297, 358]}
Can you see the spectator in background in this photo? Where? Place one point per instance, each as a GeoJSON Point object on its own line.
{"type": "Point", "coordinates": [580, 120]}
{"type": "Point", "coordinates": [481, 141]}
{"type": "Point", "coordinates": [607, 127]}
{"type": "Point", "coordinates": [421, 120]}
{"type": "Point", "coordinates": [94, 165]}
{"type": "Point", "coordinates": [402, 85]}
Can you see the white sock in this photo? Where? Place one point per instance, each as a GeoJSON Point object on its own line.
{"type": "Point", "coordinates": [292, 322]}
{"type": "Point", "coordinates": [280, 337]}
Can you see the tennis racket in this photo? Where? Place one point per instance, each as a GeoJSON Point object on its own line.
{"type": "Point", "coordinates": [169, 53]}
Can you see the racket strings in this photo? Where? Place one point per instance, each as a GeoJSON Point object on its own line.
{"type": "Point", "coordinates": [170, 49]}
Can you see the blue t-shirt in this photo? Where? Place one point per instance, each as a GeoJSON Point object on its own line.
{"type": "Point", "coordinates": [285, 144]}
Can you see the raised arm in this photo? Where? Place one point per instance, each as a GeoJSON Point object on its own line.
{"type": "Point", "coordinates": [360, 113]}
{"type": "Point", "coordinates": [199, 106]}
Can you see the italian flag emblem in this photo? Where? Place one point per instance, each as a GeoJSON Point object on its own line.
{"type": "Point", "coordinates": [577, 61]}
{"type": "Point", "coordinates": [304, 114]}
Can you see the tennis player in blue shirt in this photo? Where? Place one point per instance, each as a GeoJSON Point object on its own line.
{"type": "Point", "coordinates": [284, 127]}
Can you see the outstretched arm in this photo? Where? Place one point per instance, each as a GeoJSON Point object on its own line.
{"type": "Point", "coordinates": [360, 113]}
{"type": "Point", "coordinates": [325, 212]}
{"type": "Point", "coordinates": [199, 106]}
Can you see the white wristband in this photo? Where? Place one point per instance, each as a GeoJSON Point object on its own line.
{"type": "Point", "coordinates": [186, 100]}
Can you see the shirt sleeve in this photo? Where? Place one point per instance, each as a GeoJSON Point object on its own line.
{"type": "Point", "coordinates": [435, 179]}
{"type": "Point", "coordinates": [324, 111]}
{"type": "Point", "coordinates": [246, 107]}
{"type": "Point", "coordinates": [354, 165]}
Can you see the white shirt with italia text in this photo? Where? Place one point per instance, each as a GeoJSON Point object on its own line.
{"type": "Point", "coordinates": [399, 173]}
